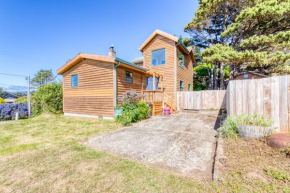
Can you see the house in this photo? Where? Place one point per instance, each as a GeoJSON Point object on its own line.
{"type": "Point", "coordinates": [9, 97]}
{"type": "Point", "coordinates": [92, 83]}
{"type": "Point", "coordinates": [249, 75]}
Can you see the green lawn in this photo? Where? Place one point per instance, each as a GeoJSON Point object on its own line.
{"type": "Point", "coordinates": [45, 154]}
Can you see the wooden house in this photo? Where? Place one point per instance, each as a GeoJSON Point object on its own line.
{"type": "Point", "coordinates": [92, 83]}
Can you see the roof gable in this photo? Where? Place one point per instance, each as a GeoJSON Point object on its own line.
{"type": "Point", "coordinates": [154, 34]}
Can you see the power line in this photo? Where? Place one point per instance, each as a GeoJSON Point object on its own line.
{"type": "Point", "coordinates": [21, 56]}
{"type": "Point", "coordinates": [13, 75]}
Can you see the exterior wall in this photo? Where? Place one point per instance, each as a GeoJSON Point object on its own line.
{"type": "Point", "coordinates": [185, 74]}
{"type": "Point", "coordinates": [94, 94]}
{"type": "Point", "coordinates": [167, 69]}
{"type": "Point", "coordinates": [139, 64]}
{"type": "Point", "coordinates": [250, 76]}
{"type": "Point", "coordinates": [123, 86]}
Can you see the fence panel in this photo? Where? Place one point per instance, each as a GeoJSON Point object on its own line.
{"type": "Point", "coordinates": [267, 96]}
{"type": "Point", "coordinates": [199, 100]}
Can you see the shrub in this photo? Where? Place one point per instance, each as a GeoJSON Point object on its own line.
{"type": "Point", "coordinates": [131, 97]}
{"type": "Point", "coordinates": [2, 101]}
{"type": "Point", "coordinates": [132, 111]}
{"type": "Point", "coordinates": [8, 111]}
{"type": "Point", "coordinates": [48, 98]}
{"type": "Point", "coordinates": [230, 126]}
{"type": "Point", "coordinates": [143, 110]}
{"type": "Point", "coordinates": [22, 99]}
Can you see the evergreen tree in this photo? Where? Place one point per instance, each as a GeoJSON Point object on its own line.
{"type": "Point", "coordinates": [42, 77]}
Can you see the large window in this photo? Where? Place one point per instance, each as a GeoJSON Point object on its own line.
{"type": "Point", "coordinates": [181, 85]}
{"type": "Point", "coordinates": [158, 57]}
{"type": "Point", "coordinates": [129, 77]}
{"type": "Point", "coordinates": [74, 80]}
{"type": "Point", "coordinates": [181, 60]}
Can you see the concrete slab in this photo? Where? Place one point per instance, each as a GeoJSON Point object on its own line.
{"type": "Point", "coordinates": [182, 143]}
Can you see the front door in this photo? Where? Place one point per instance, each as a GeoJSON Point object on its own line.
{"type": "Point", "coordinates": [150, 83]}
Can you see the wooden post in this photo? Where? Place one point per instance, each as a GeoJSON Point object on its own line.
{"type": "Point", "coordinates": [154, 81]}
{"type": "Point", "coordinates": [28, 96]}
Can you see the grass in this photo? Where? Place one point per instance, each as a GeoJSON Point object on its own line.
{"type": "Point", "coordinates": [230, 125]}
{"type": "Point", "coordinates": [46, 154]}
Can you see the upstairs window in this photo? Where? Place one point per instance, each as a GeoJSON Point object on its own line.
{"type": "Point", "coordinates": [158, 57]}
{"type": "Point", "coordinates": [181, 85]}
{"type": "Point", "coordinates": [181, 59]}
{"type": "Point", "coordinates": [129, 77]}
{"type": "Point", "coordinates": [74, 80]}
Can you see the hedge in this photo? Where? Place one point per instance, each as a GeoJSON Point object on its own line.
{"type": "Point", "coordinates": [8, 111]}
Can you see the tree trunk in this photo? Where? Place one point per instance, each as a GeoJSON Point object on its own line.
{"type": "Point", "coordinates": [232, 70]}
{"type": "Point", "coordinates": [211, 77]}
{"type": "Point", "coordinates": [215, 76]}
{"type": "Point", "coordinates": [222, 85]}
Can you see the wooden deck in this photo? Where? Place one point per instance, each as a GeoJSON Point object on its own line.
{"type": "Point", "coordinates": [159, 100]}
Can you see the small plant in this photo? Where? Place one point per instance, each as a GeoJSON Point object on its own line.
{"type": "Point", "coordinates": [277, 174]}
{"type": "Point", "coordinates": [2, 101]}
{"type": "Point", "coordinates": [230, 126]}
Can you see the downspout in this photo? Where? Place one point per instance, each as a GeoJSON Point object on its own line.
{"type": "Point", "coordinates": [175, 74]}
{"type": "Point", "coordinates": [115, 83]}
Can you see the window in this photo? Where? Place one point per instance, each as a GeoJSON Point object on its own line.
{"type": "Point", "coordinates": [189, 87]}
{"type": "Point", "coordinates": [181, 59]}
{"type": "Point", "coordinates": [74, 80]}
{"type": "Point", "coordinates": [129, 77]}
{"type": "Point", "coordinates": [181, 85]}
{"type": "Point", "coordinates": [158, 57]}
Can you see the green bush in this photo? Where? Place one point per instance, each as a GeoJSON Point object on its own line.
{"type": "Point", "coordinates": [132, 111]}
{"type": "Point", "coordinates": [22, 99]}
{"type": "Point", "coordinates": [230, 125]}
{"type": "Point", "coordinates": [143, 110]}
{"type": "Point", "coordinates": [129, 113]}
{"type": "Point", "coordinates": [2, 101]}
{"type": "Point", "coordinates": [48, 98]}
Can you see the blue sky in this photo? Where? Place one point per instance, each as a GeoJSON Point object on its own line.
{"type": "Point", "coordinates": [39, 34]}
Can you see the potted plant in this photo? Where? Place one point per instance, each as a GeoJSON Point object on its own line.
{"type": "Point", "coordinates": [248, 126]}
{"type": "Point", "coordinates": [253, 127]}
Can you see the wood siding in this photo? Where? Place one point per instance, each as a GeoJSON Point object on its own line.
{"type": "Point", "coordinates": [94, 94]}
{"type": "Point", "coordinates": [185, 74]}
{"type": "Point", "coordinates": [167, 69]}
{"type": "Point", "coordinates": [123, 86]}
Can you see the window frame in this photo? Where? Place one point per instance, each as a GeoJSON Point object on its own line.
{"type": "Point", "coordinates": [130, 77]}
{"type": "Point", "coordinates": [152, 57]}
{"type": "Point", "coordinates": [71, 80]}
{"type": "Point", "coordinates": [181, 81]}
{"type": "Point", "coordinates": [183, 58]}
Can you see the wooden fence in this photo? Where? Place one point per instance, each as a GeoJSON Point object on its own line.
{"type": "Point", "coordinates": [267, 96]}
{"type": "Point", "coordinates": [198, 100]}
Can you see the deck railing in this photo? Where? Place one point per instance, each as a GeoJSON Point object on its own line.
{"type": "Point", "coordinates": [153, 96]}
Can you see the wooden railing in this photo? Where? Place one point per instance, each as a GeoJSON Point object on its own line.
{"type": "Point", "coordinates": [159, 97]}
{"type": "Point", "coordinates": [170, 102]}
{"type": "Point", "coordinates": [153, 96]}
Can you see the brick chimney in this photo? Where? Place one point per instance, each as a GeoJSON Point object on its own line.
{"type": "Point", "coordinates": [112, 52]}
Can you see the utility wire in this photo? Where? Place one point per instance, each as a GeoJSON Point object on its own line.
{"type": "Point", "coordinates": [13, 75]}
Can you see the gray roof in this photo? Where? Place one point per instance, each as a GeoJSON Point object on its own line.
{"type": "Point", "coordinates": [137, 60]}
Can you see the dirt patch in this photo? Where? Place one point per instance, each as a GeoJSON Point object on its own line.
{"type": "Point", "coordinates": [256, 164]}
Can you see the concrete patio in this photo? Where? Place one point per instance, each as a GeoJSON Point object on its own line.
{"type": "Point", "coordinates": [182, 143]}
